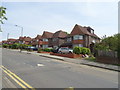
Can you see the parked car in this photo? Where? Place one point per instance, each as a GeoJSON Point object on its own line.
{"type": "Point", "coordinates": [32, 48]}
{"type": "Point", "coordinates": [65, 50]}
{"type": "Point", "coordinates": [55, 50]}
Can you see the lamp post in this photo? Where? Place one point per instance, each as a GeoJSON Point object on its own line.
{"type": "Point", "coordinates": [21, 29]}
{"type": "Point", "coordinates": [21, 35]}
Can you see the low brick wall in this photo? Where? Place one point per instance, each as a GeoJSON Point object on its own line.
{"type": "Point", "coordinates": [69, 55]}
{"type": "Point", "coordinates": [44, 52]}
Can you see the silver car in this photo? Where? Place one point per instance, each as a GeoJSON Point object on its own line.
{"type": "Point", "coordinates": [65, 50]}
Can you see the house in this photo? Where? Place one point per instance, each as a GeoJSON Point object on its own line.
{"type": "Point", "coordinates": [24, 40]}
{"type": "Point", "coordinates": [11, 41]}
{"type": "Point", "coordinates": [4, 42]}
{"type": "Point", "coordinates": [37, 41]}
{"type": "Point", "coordinates": [58, 38]}
{"type": "Point", "coordinates": [81, 36]}
{"type": "Point", "coordinates": [46, 39]}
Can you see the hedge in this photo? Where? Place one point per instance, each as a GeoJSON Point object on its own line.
{"type": "Point", "coordinates": [48, 49]}
{"type": "Point", "coordinates": [81, 50]}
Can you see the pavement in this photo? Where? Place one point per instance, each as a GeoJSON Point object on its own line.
{"type": "Point", "coordinates": [78, 61]}
{"type": "Point", "coordinates": [29, 69]}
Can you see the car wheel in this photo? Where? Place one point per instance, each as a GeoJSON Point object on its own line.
{"type": "Point", "coordinates": [70, 52]}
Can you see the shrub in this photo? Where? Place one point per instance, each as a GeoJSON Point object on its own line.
{"type": "Point", "coordinates": [77, 50]}
{"type": "Point", "coordinates": [81, 50]}
{"type": "Point", "coordinates": [5, 45]}
{"type": "Point", "coordinates": [48, 49]}
{"type": "Point", "coordinates": [85, 50]}
{"type": "Point", "coordinates": [15, 46]}
{"type": "Point", "coordinates": [40, 50]}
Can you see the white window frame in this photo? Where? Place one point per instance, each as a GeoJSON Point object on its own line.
{"type": "Point", "coordinates": [45, 39]}
{"type": "Point", "coordinates": [78, 37]}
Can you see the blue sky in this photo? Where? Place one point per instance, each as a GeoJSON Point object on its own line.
{"type": "Point", "coordinates": [36, 17]}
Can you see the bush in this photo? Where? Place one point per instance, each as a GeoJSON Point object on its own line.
{"type": "Point", "coordinates": [40, 50]}
{"type": "Point", "coordinates": [77, 50]}
{"type": "Point", "coordinates": [48, 49]}
{"type": "Point", "coordinates": [85, 50]}
{"type": "Point", "coordinates": [15, 46]}
{"type": "Point", "coordinates": [5, 45]}
{"type": "Point", "coordinates": [81, 50]}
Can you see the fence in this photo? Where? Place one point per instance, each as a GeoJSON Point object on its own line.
{"type": "Point", "coordinates": [109, 57]}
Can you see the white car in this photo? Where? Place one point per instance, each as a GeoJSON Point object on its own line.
{"type": "Point", "coordinates": [65, 50]}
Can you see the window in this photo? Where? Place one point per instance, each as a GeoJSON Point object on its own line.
{"type": "Point", "coordinates": [69, 39]}
{"type": "Point", "coordinates": [37, 40]}
{"type": "Point", "coordinates": [54, 39]}
{"type": "Point", "coordinates": [45, 39]}
{"type": "Point", "coordinates": [45, 46]}
{"type": "Point", "coordinates": [78, 37]}
{"type": "Point", "coordinates": [79, 45]}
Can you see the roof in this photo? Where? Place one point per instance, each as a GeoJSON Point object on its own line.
{"type": "Point", "coordinates": [47, 34]}
{"type": "Point", "coordinates": [25, 38]}
{"type": "Point", "coordinates": [38, 37]}
{"type": "Point", "coordinates": [59, 34]}
{"type": "Point", "coordinates": [82, 30]}
{"type": "Point", "coordinates": [12, 40]}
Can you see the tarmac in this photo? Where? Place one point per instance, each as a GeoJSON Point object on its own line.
{"type": "Point", "coordinates": [77, 61]}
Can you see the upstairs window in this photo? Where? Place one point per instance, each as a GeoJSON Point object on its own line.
{"type": "Point", "coordinates": [78, 37]}
{"type": "Point", "coordinates": [69, 39]}
{"type": "Point", "coordinates": [54, 39]}
{"type": "Point", "coordinates": [45, 39]}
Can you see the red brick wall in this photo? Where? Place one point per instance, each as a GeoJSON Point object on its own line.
{"type": "Point", "coordinates": [77, 41]}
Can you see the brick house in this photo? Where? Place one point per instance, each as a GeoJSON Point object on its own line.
{"type": "Point", "coordinates": [58, 38]}
{"type": "Point", "coordinates": [81, 36]}
{"type": "Point", "coordinates": [11, 41]}
{"type": "Point", "coordinates": [4, 42]}
{"type": "Point", "coordinates": [37, 41]}
{"type": "Point", "coordinates": [46, 39]}
{"type": "Point", "coordinates": [24, 40]}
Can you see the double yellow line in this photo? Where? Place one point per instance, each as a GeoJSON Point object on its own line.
{"type": "Point", "coordinates": [17, 79]}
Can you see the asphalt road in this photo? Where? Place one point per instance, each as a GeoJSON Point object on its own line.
{"type": "Point", "coordinates": [41, 72]}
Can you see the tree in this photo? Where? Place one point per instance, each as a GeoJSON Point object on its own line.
{"type": "Point", "coordinates": [2, 15]}
{"type": "Point", "coordinates": [109, 43]}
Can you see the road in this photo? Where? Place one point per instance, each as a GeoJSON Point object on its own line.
{"type": "Point", "coordinates": [41, 72]}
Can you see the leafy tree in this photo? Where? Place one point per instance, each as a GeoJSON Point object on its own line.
{"type": "Point", "coordinates": [2, 15]}
{"type": "Point", "coordinates": [109, 43]}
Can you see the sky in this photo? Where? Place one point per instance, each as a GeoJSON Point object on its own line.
{"type": "Point", "coordinates": [36, 17]}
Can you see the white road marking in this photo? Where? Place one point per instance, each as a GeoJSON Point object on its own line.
{"type": "Point", "coordinates": [40, 65]}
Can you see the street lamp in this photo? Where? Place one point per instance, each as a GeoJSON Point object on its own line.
{"type": "Point", "coordinates": [21, 29]}
{"type": "Point", "coordinates": [21, 35]}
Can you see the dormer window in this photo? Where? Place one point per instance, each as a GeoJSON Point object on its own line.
{"type": "Point", "coordinates": [78, 37]}
{"type": "Point", "coordinates": [92, 31]}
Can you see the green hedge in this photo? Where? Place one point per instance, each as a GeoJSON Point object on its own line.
{"type": "Point", "coordinates": [81, 50]}
{"type": "Point", "coordinates": [48, 49]}
{"type": "Point", "coordinates": [5, 45]}
{"type": "Point", "coordinates": [15, 46]}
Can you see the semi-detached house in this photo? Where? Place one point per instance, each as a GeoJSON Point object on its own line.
{"type": "Point", "coordinates": [46, 39]}
{"type": "Point", "coordinates": [81, 36]}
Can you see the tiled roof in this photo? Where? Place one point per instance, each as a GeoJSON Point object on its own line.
{"type": "Point", "coordinates": [25, 38]}
{"type": "Point", "coordinates": [12, 40]}
{"type": "Point", "coordinates": [82, 30]}
{"type": "Point", "coordinates": [60, 34]}
{"type": "Point", "coordinates": [47, 34]}
{"type": "Point", "coordinates": [38, 37]}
